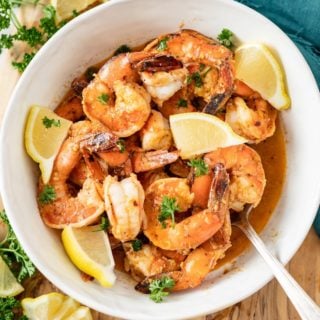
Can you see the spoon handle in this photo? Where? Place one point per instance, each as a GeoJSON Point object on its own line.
{"type": "Point", "coordinates": [306, 307]}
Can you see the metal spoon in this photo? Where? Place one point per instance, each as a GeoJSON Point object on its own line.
{"type": "Point", "coordinates": [306, 307]}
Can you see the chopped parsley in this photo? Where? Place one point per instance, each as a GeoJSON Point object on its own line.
{"type": "Point", "coordinates": [200, 167]}
{"type": "Point", "coordinates": [157, 288]}
{"type": "Point", "coordinates": [104, 224]}
{"type": "Point", "coordinates": [225, 38]}
{"type": "Point", "coordinates": [21, 66]}
{"type": "Point", "coordinates": [48, 123]}
{"type": "Point", "coordinates": [167, 210]}
{"type": "Point", "coordinates": [183, 103]}
{"type": "Point", "coordinates": [162, 45]}
{"type": "Point", "coordinates": [196, 77]}
{"type": "Point", "coordinates": [121, 145]}
{"type": "Point", "coordinates": [122, 49]}
{"type": "Point", "coordinates": [47, 195]}
{"type": "Point", "coordinates": [14, 255]}
{"type": "Point", "coordinates": [103, 98]}
{"type": "Point", "coordinates": [136, 245]}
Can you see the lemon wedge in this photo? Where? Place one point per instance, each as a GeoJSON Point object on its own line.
{"type": "Point", "coordinates": [257, 67]}
{"type": "Point", "coordinates": [196, 133]}
{"type": "Point", "coordinates": [90, 251]}
{"type": "Point", "coordinates": [43, 307]}
{"type": "Point", "coordinates": [65, 8]}
{"type": "Point", "coordinates": [54, 306]}
{"type": "Point", "coordinates": [44, 139]}
{"type": "Point", "coordinates": [9, 286]}
{"type": "Point", "coordinates": [82, 313]}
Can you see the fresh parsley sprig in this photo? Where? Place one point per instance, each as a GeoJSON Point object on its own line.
{"type": "Point", "coordinates": [48, 123]}
{"type": "Point", "coordinates": [47, 195]}
{"type": "Point", "coordinates": [157, 288]}
{"type": "Point", "coordinates": [167, 210]}
{"type": "Point", "coordinates": [225, 37]}
{"type": "Point", "coordinates": [34, 37]}
{"type": "Point", "coordinates": [13, 253]}
{"type": "Point", "coordinates": [200, 167]}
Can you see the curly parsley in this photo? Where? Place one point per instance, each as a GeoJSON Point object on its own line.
{"type": "Point", "coordinates": [136, 245]}
{"type": "Point", "coordinates": [47, 195]}
{"type": "Point", "coordinates": [157, 288]}
{"type": "Point", "coordinates": [167, 210]}
{"type": "Point", "coordinates": [200, 167]}
{"type": "Point", "coordinates": [14, 255]}
{"type": "Point", "coordinates": [225, 38]}
{"type": "Point", "coordinates": [48, 123]}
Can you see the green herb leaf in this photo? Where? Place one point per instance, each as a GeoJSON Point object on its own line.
{"type": "Point", "coordinates": [14, 255]}
{"type": "Point", "coordinates": [162, 45]}
{"type": "Point", "coordinates": [24, 63]}
{"type": "Point", "coordinates": [7, 306]}
{"type": "Point", "coordinates": [196, 77]}
{"type": "Point", "coordinates": [5, 14]}
{"type": "Point", "coordinates": [32, 36]}
{"type": "Point", "coordinates": [182, 103]}
{"type": "Point", "coordinates": [121, 145]}
{"type": "Point", "coordinates": [167, 210]}
{"type": "Point", "coordinates": [103, 98]}
{"type": "Point", "coordinates": [47, 195]}
{"type": "Point", "coordinates": [122, 49]}
{"type": "Point", "coordinates": [48, 123]}
{"type": "Point", "coordinates": [104, 224]}
{"type": "Point", "coordinates": [6, 41]}
{"type": "Point", "coordinates": [158, 286]}
{"type": "Point", "coordinates": [225, 38]}
{"type": "Point", "coordinates": [200, 166]}
{"type": "Point", "coordinates": [136, 245]}
{"type": "Point", "coordinates": [48, 22]}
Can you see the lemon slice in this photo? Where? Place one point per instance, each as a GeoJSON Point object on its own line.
{"type": "Point", "coordinates": [90, 251]}
{"type": "Point", "coordinates": [196, 133]}
{"type": "Point", "coordinates": [54, 306]}
{"type": "Point", "coordinates": [66, 8]}
{"type": "Point", "coordinates": [9, 286]}
{"type": "Point", "coordinates": [43, 307]}
{"type": "Point", "coordinates": [83, 313]}
{"type": "Point", "coordinates": [43, 144]}
{"type": "Point", "coordinates": [258, 68]}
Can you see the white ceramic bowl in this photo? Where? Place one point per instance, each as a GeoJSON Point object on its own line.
{"type": "Point", "coordinates": [94, 36]}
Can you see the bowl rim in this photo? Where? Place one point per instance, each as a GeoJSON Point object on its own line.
{"type": "Point", "coordinates": [28, 247]}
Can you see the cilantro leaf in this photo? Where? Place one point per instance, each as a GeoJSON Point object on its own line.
{"type": "Point", "coordinates": [200, 166]}
{"type": "Point", "coordinates": [158, 286]}
{"type": "Point", "coordinates": [225, 38]}
{"type": "Point", "coordinates": [48, 123]}
{"type": "Point", "coordinates": [136, 245]}
{"type": "Point", "coordinates": [13, 253]}
{"type": "Point", "coordinates": [168, 208]}
{"type": "Point", "coordinates": [47, 195]}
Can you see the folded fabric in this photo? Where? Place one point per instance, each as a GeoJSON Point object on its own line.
{"type": "Point", "coordinates": [300, 20]}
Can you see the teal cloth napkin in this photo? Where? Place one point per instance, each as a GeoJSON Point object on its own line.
{"type": "Point", "coordinates": [300, 20]}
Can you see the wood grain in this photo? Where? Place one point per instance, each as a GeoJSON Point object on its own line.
{"type": "Point", "coordinates": [270, 303]}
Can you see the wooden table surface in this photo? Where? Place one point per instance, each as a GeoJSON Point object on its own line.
{"type": "Point", "coordinates": [270, 303]}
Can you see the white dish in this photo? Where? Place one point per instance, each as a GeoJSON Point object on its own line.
{"type": "Point", "coordinates": [94, 36]}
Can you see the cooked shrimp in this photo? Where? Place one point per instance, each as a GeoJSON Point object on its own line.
{"type": "Point", "coordinates": [190, 46]}
{"type": "Point", "coordinates": [199, 262]}
{"type": "Point", "coordinates": [145, 161]}
{"type": "Point", "coordinates": [148, 261]}
{"type": "Point", "coordinates": [162, 76]}
{"type": "Point", "coordinates": [156, 133]}
{"type": "Point", "coordinates": [115, 99]}
{"type": "Point", "coordinates": [77, 211]}
{"type": "Point", "coordinates": [124, 205]}
{"type": "Point", "coordinates": [178, 103]}
{"type": "Point", "coordinates": [148, 177]}
{"type": "Point", "coordinates": [254, 119]}
{"type": "Point", "coordinates": [71, 109]}
{"type": "Point", "coordinates": [247, 177]}
{"type": "Point", "coordinates": [194, 230]}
